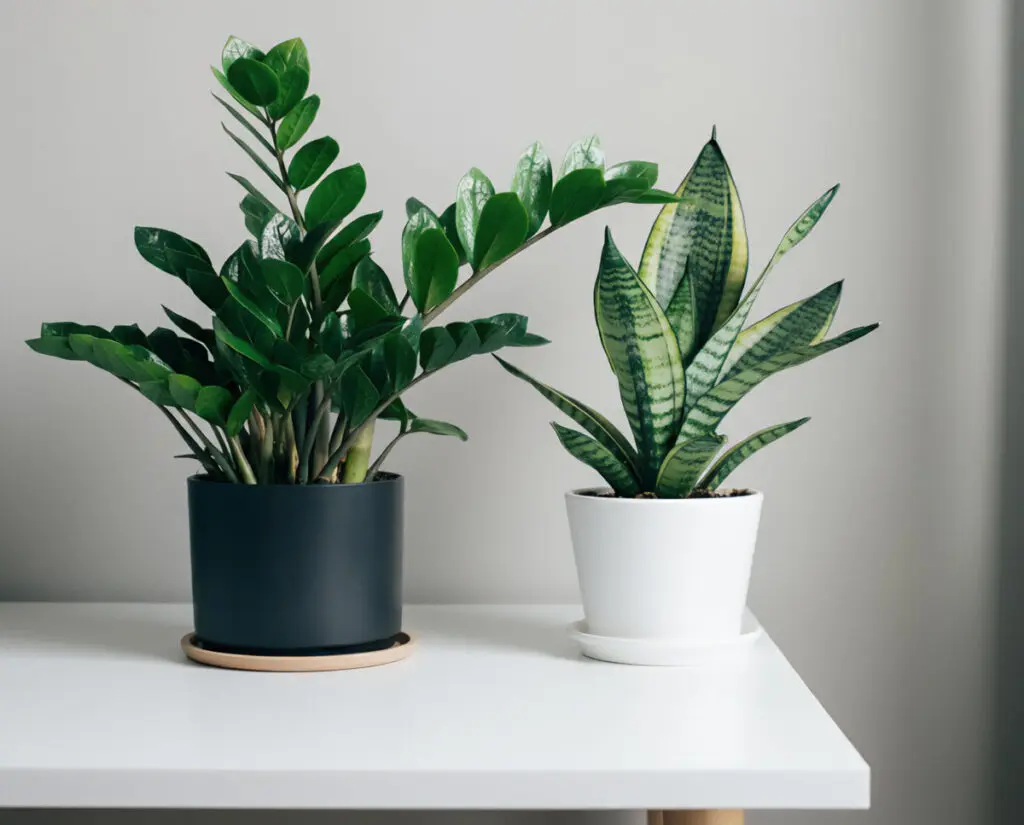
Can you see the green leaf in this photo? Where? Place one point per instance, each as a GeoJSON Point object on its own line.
{"type": "Point", "coordinates": [706, 368]}
{"type": "Point", "coordinates": [256, 83]}
{"type": "Point", "coordinates": [435, 270]}
{"type": "Point", "coordinates": [241, 101]}
{"type": "Point", "coordinates": [592, 421]}
{"type": "Point", "coordinates": [731, 459]}
{"type": "Point", "coordinates": [713, 406]}
{"type": "Point", "coordinates": [237, 115]}
{"type": "Point", "coordinates": [398, 359]}
{"type": "Point", "coordinates": [414, 205]}
{"type": "Point", "coordinates": [253, 308]}
{"type": "Point", "coordinates": [340, 268]}
{"type": "Point", "coordinates": [129, 334]}
{"type": "Point", "coordinates": [285, 280]}
{"type": "Point", "coordinates": [157, 392]}
{"type": "Point", "coordinates": [53, 346]}
{"type": "Point", "coordinates": [236, 48]}
{"type": "Point", "coordinates": [373, 292]}
{"type": "Point", "coordinates": [290, 54]}
{"type": "Point", "coordinates": [184, 389]}
{"type": "Point", "coordinates": [707, 226]}
{"type": "Point", "coordinates": [247, 185]}
{"type": "Point", "coordinates": [318, 366]}
{"type": "Point", "coordinates": [311, 161]}
{"type": "Point", "coordinates": [653, 196]}
{"type": "Point", "coordinates": [419, 222]}
{"type": "Point", "coordinates": [245, 147]}
{"type": "Point", "coordinates": [237, 344]}
{"type": "Point", "coordinates": [169, 251]}
{"type": "Point", "coordinates": [502, 229]}
{"type": "Point", "coordinates": [336, 195]}
{"type": "Point", "coordinates": [684, 464]}
{"type": "Point", "coordinates": [575, 195]}
{"type": "Point", "coordinates": [682, 314]}
{"type": "Point", "coordinates": [641, 170]}
{"type": "Point", "coordinates": [644, 354]}
{"type": "Point", "coordinates": [358, 397]}
{"type": "Point", "coordinates": [583, 154]}
{"type": "Point", "coordinates": [447, 221]}
{"type": "Point", "coordinates": [329, 335]}
{"type": "Point", "coordinates": [802, 323]}
{"type": "Point", "coordinates": [294, 82]}
{"type": "Point", "coordinates": [474, 190]}
{"type": "Point", "coordinates": [434, 427]}
{"type": "Point", "coordinates": [296, 122]}
{"type": "Point", "coordinates": [437, 346]}
{"type": "Point", "coordinates": [598, 457]}
{"type": "Point", "coordinates": [532, 182]}
{"type": "Point", "coordinates": [191, 328]}
{"type": "Point", "coordinates": [214, 404]}
{"type": "Point", "coordinates": [356, 230]}
{"type": "Point", "coordinates": [239, 413]}
{"type": "Point", "coordinates": [280, 238]}
{"type": "Point", "coordinates": [258, 213]}
{"type": "Point", "coordinates": [129, 362]}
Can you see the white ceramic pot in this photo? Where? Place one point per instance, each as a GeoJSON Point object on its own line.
{"type": "Point", "coordinates": [673, 569]}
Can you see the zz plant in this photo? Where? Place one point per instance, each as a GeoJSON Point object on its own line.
{"type": "Point", "coordinates": [676, 337]}
{"type": "Point", "coordinates": [309, 345]}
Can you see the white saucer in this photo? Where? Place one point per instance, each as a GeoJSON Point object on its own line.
{"type": "Point", "coordinates": [666, 652]}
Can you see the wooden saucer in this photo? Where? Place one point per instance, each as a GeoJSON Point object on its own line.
{"type": "Point", "coordinates": [403, 645]}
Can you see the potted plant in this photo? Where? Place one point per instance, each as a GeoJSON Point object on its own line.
{"type": "Point", "coordinates": [666, 553]}
{"type": "Point", "coordinates": [295, 534]}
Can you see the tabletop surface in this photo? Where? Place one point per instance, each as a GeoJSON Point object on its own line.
{"type": "Point", "coordinates": [494, 710]}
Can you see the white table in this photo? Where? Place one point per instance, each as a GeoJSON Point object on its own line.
{"type": "Point", "coordinates": [494, 710]}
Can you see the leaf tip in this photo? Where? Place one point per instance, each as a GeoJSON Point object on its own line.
{"type": "Point", "coordinates": [714, 132]}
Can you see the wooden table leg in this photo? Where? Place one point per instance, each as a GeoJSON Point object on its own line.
{"type": "Point", "coordinates": [695, 818]}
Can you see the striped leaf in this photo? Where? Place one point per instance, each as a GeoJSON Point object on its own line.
{"type": "Point", "coordinates": [595, 455]}
{"type": "Point", "coordinates": [682, 313]}
{"type": "Point", "coordinates": [732, 458]}
{"type": "Point", "coordinates": [592, 421]}
{"type": "Point", "coordinates": [803, 323]}
{"type": "Point", "coordinates": [704, 230]}
{"type": "Point", "coordinates": [712, 407]}
{"type": "Point", "coordinates": [684, 464]}
{"type": "Point", "coordinates": [644, 356]}
{"type": "Point", "coordinates": [707, 367]}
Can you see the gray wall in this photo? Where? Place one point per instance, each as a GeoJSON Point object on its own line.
{"type": "Point", "coordinates": [874, 567]}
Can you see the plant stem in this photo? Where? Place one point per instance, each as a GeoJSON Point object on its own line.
{"type": "Point", "coordinates": [358, 458]}
{"type": "Point", "coordinates": [244, 467]}
{"type": "Point", "coordinates": [215, 454]}
{"type": "Point", "coordinates": [479, 275]}
{"type": "Point", "coordinates": [371, 474]}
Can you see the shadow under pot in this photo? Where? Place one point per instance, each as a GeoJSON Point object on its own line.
{"type": "Point", "coordinates": [296, 569]}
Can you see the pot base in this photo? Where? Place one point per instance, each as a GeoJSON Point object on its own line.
{"type": "Point", "coordinates": [665, 652]}
{"type": "Point", "coordinates": [396, 649]}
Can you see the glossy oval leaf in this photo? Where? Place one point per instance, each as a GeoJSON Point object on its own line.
{"type": "Point", "coordinates": [357, 396]}
{"type": "Point", "coordinates": [435, 270]}
{"type": "Point", "coordinates": [252, 307]}
{"type": "Point", "coordinates": [532, 182]}
{"type": "Point", "coordinates": [356, 230]}
{"type": "Point", "coordinates": [236, 48]}
{"type": "Point", "coordinates": [241, 101]}
{"type": "Point", "coordinates": [311, 161]}
{"type": "Point", "coordinates": [184, 389]}
{"type": "Point", "coordinates": [502, 229]}
{"type": "Point", "coordinates": [285, 281]}
{"type": "Point", "coordinates": [239, 413]}
{"type": "Point", "coordinates": [296, 122]}
{"type": "Point", "coordinates": [644, 354]}
{"type": "Point", "coordinates": [585, 153]}
{"type": "Point", "coordinates": [293, 85]}
{"type": "Point", "coordinates": [419, 222]}
{"type": "Point", "coordinates": [598, 457]}
{"type": "Point", "coordinates": [373, 280]}
{"type": "Point", "coordinates": [473, 192]}
{"type": "Point", "coordinates": [732, 458]}
{"type": "Point", "coordinates": [289, 54]}
{"type": "Point", "coordinates": [437, 346]}
{"type": "Point", "coordinates": [214, 404]}
{"type": "Point", "coordinates": [336, 195]}
{"type": "Point", "coordinates": [642, 171]}
{"type": "Point", "coordinates": [451, 231]}
{"type": "Point", "coordinates": [576, 195]}
{"type": "Point", "coordinates": [256, 83]}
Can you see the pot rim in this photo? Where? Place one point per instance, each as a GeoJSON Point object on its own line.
{"type": "Point", "coordinates": [586, 494]}
{"type": "Point", "coordinates": [383, 477]}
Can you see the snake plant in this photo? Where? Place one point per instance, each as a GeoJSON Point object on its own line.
{"type": "Point", "coordinates": [676, 337]}
{"type": "Point", "coordinates": [309, 345]}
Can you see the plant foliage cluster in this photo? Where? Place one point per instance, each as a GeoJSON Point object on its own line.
{"type": "Point", "coordinates": [309, 344]}
{"type": "Point", "coordinates": [676, 336]}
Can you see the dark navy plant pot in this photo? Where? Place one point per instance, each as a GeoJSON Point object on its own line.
{"type": "Point", "coordinates": [296, 569]}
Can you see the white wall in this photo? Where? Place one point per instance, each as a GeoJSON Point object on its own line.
{"type": "Point", "coordinates": [874, 565]}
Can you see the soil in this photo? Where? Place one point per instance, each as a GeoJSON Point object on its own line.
{"type": "Point", "coordinates": [695, 494]}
